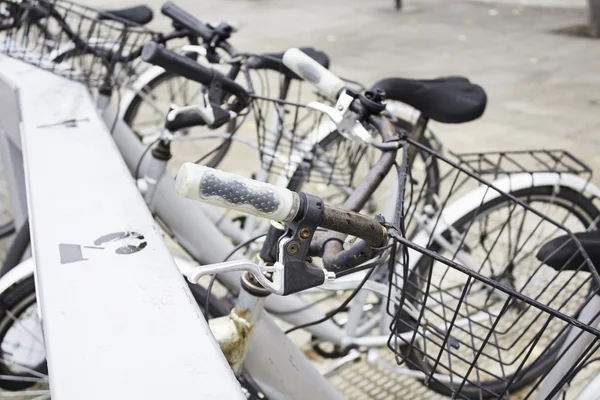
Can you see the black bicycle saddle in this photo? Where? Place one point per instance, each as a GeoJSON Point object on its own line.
{"type": "Point", "coordinates": [452, 99]}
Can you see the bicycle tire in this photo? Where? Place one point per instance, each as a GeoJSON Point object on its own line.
{"type": "Point", "coordinates": [7, 229]}
{"type": "Point", "coordinates": [584, 210]}
{"type": "Point", "coordinates": [15, 300]}
{"type": "Point", "coordinates": [133, 109]}
{"type": "Point", "coordinates": [17, 249]}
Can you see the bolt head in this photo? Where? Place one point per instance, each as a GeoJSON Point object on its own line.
{"type": "Point", "coordinates": [292, 248]}
{"type": "Point", "coordinates": [304, 233]}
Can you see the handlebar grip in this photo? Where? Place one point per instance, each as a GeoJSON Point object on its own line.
{"type": "Point", "coordinates": [326, 82]}
{"type": "Point", "coordinates": [186, 67]}
{"type": "Point", "coordinates": [187, 20]}
{"type": "Point", "coordinates": [237, 193]}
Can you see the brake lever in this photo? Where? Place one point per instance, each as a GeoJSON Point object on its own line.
{"type": "Point", "coordinates": [345, 120]}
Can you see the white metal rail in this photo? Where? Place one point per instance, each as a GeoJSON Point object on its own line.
{"type": "Point", "coordinates": [119, 320]}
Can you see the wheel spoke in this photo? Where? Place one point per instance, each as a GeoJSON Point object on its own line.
{"type": "Point", "coordinates": [42, 397]}
{"type": "Point", "coordinates": [17, 378]}
{"type": "Point", "coordinates": [41, 394]}
{"type": "Point", "coordinates": [20, 324]}
{"type": "Point", "coordinates": [26, 369]}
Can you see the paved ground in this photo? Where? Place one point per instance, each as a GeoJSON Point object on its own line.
{"type": "Point", "coordinates": [543, 86]}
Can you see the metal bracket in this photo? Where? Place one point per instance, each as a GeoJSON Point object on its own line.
{"type": "Point", "coordinates": [294, 247]}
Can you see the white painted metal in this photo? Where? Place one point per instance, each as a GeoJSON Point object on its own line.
{"type": "Point", "coordinates": [578, 341]}
{"type": "Point", "coordinates": [10, 150]}
{"type": "Point", "coordinates": [280, 368]}
{"type": "Point", "coordinates": [118, 326]}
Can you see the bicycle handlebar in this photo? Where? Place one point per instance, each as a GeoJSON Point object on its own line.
{"type": "Point", "coordinates": [264, 200]}
{"type": "Point", "coordinates": [237, 193]}
{"type": "Point", "coordinates": [187, 20]}
{"type": "Point", "coordinates": [186, 67]}
{"type": "Point", "coordinates": [326, 82]}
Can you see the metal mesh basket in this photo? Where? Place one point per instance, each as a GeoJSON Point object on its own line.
{"type": "Point", "coordinates": [71, 40]}
{"type": "Point", "coordinates": [476, 309]}
{"type": "Point", "coordinates": [295, 141]}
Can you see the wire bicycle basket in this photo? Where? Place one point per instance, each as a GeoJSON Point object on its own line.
{"type": "Point", "coordinates": [475, 307]}
{"type": "Point", "coordinates": [295, 141]}
{"type": "Point", "coordinates": [71, 40]}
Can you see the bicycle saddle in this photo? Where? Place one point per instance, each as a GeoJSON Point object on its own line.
{"type": "Point", "coordinates": [273, 61]}
{"type": "Point", "coordinates": [139, 15]}
{"type": "Point", "coordinates": [451, 99]}
{"type": "Point", "coordinates": [562, 253]}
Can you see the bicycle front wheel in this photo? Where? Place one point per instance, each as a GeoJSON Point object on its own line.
{"type": "Point", "coordinates": [503, 366]}
{"type": "Point", "coordinates": [146, 115]}
{"type": "Point", "coordinates": [22, 352]}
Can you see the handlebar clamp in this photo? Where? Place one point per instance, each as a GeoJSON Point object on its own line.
{"type": "Point", "coordinates": [294, 246]}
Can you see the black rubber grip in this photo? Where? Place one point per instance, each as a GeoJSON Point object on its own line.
{"type": "Point", "coordinates": [187, 20]}
{"type": "Point", "coordinates": [186, 67]}
{"type": "Point", "coordinates": [185, 120]}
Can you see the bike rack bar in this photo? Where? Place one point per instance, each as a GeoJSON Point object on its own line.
{"type": "Point", "coordinates": [118, 318]}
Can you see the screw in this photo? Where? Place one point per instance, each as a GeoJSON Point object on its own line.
{"type": "Point", "coordinates": [292, 248]}
{"type": "Point", "coordinates": [304, 233]}
{"type": "Point", "coordinates": [340, 107]}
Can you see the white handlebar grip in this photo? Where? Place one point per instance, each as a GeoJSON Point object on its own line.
{"type": "Point", "coordinates": [234, 192]}
{"type": "Point", "coordinates": [323, 79]}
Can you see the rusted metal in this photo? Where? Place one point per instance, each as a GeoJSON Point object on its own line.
{"type": "Point", "coordinates": [355, 224]}
{"type": "Point", "coordinates": [305, 233]}
{"type": "Point", "coordinates": [232, 332]}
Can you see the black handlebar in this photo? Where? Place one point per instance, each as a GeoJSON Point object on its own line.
{"type": "Point", "coordinates": [186, 67]}
{"type": "Point", "coordinates": [186, 20]}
